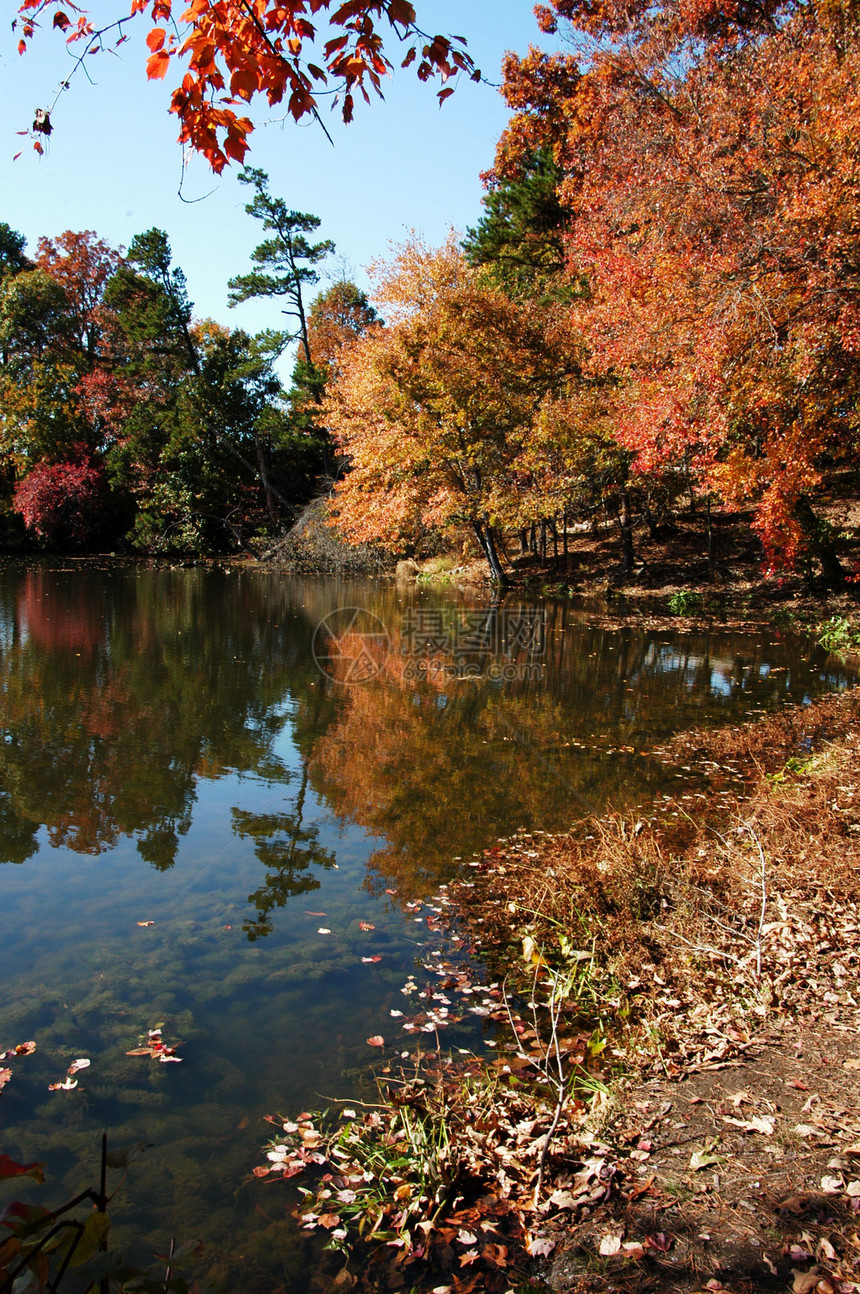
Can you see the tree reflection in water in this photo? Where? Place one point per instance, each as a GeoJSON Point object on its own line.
{"type": "Point", "coordinates": [124, 687]}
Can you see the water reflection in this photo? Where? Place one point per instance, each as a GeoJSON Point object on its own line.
{"type": "Point", "coordinates": [170, 751]}
{"type": "Point", "coordinates": [123, 688]}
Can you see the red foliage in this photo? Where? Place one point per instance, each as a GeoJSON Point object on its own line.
{"type": "Point", "coordinates": [233, 50]}
{"type": "Point", "coordinates": [61, 501]}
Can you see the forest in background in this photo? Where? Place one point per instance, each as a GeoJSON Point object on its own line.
{"type": "Point", "coordinates": [658, 307]}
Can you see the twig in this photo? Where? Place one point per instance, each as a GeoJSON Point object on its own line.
{"type": "Point", "coordinates": [702, 948]}
{"type": "Point", "coordinates": [763, 875]}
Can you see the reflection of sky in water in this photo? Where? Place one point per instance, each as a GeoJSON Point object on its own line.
{"type": "Point", "coordinates": [169, 749]}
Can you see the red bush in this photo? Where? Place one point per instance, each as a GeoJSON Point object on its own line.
{"type": "Point", "coordinates": [62, 502]}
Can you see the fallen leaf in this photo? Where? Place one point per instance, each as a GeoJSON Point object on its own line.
{"type": "Point", "coordinates": [366, 925]}
{"type": "Point", "coordinates": [5, 1075]}
{"type": "Point", "coordinates": [323, 930]}
{"type": "Point", "coordinates": [144, 924]}
{"type": "Point", "coordinates": [540, 1246]}
{"type": "Point", "coordinates": [63, 1087]}
{"type": "Point", "coordinates": [376, 1041]}
{"type": "Point", "coordinates": [377, 957]}
{"type": "Point", "coordinates": [764, 1123]}
{"type": "Point", "coordinates": [832, 1185]}
{"type": "Point", "coordinates": [83, 1063]}
{"type": "Point", "coordinates": [609, 1245]}
{"type": "Point", "coordinates": [796, 1204]}
{"type": "Point", "coordinates": [704, 1159]}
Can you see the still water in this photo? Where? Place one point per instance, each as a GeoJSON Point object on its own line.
{"type": "Point", "coordinates": [256, 765]}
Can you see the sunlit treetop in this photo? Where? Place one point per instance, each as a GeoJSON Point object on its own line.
{"type": "Point", "coordinates": [304, 53]}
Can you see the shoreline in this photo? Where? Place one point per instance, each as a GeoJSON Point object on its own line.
{"type": "Point", "coordinates": [678, 1109]}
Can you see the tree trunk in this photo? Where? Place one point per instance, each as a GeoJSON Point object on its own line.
{"type": "Point", "coordinates": [484, 536]}
{"type": "Point", "coordinates": [649, 518]}
{"type": "Point", "coordinates": [267, 489]}
{"type": "Point", "coordinates": [819, 543]}
{"type": "Point", "coordinates": [628, 555]}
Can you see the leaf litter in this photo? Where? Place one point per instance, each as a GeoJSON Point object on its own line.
{"type": "Point", "coordinates": [683, 1116]}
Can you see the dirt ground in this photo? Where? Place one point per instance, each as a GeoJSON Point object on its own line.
{"type": "Point", "coordinates": [730, 586]}
{"type": "Point", "coordinates": [741, 1177]}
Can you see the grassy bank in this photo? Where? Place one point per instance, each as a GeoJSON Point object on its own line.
{"type": "Point", "coordinates": [673, 1103]}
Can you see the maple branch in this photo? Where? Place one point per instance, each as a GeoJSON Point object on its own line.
{"type": "Point", "coordinates": [276, 53]}
{"type": "Point", "coordinates": [92, 44]}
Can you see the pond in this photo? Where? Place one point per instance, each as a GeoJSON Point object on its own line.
{"type": "Point", "coordinates": [226, 797]}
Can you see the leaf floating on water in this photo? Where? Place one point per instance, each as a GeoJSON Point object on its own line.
{"type": "Point", "coordinates": [323, 930]}
{"type": "Point", "coordinates": [155, 1047]}
{"type": "Point", "coordinates": [5, 1075]}
{"type": "Point", "coordinates": [76, 1065]}
{"type": "Point", "coordinates": [145, 924]}
{"type": "Point", "coordinates": [377, 957]}
{"type": "Point", "coordinates": [376, 1041]}
{"type": "Point", "coordinates": [63, 1087]}
{"type": "Point", "coordinates": [308, 913]}
{"type": "Point", "coordinates": [22, 1049]}
{"type": "Point", "coordinates": [366, 925]}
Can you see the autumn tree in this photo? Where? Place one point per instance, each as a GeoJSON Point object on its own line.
{"type": "Point", "coordinates": [228, 53]}
{"type": "Point", "coordinates": [51, 323]}
{"type": "Point", "coordinates": [710, 176]}
{"type": "Point", "coordinates": [435, 408]}
{"type": "Point", "coordinates": [63, 503]}
{"type": "Point", "coordinates": [336, 318]}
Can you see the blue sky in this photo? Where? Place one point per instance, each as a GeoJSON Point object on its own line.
{"type": "Point", "coordinates": [112, 163]}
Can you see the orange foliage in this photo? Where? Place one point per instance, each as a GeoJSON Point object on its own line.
{"type": "Point", "coordinates": [234, 50]}
{"type": "Point", "coordinates": [436, 408]}
{"type": "Point", "coordinates": [712, 165]}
